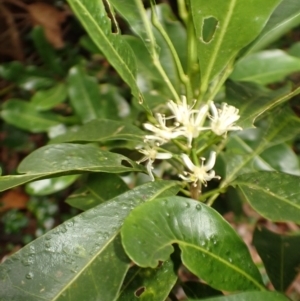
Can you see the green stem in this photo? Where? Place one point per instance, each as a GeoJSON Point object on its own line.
{"type": "Point", "coordinates": [211, 192]}
{"type": "Point", "coordinates": [153, 53]}
{"type": "Point", "coordinates": [212, 199]}
{"type": "Point", "coordinates": [192, 58]}
{"type": "Point", "coordinates": [183, 13]}
{"type": "Point", "coordinates": [220, 81]}
{"type": "Point", "coordinates": [182, 76]}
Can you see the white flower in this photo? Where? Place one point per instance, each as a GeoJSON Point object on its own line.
{"type": "Point", "coordinates": [181, 111]}
{"type": "Point", "coordinates": [193, 128]}
{"type": "Point", "coordinates": [201, 173]}
{"type": "Point", "coordinates": [162, 133]}
{"type": "Point", "coordinates": [223, 120]}
{"type": "Point", "coordinates": [150, 154]}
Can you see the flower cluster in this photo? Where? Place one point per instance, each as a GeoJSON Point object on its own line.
{"type": "Point", "coordinates": [188, 123]}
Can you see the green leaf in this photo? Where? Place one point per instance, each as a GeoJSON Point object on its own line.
{"type": "Point", "coordinates": [246, 147]}
{"type": "Point", "coordinates": [98, 188]}
{"type": "Point", "coordinates": [294, 50]}
{"type": "Point", "coordinates": [93, 17]}
{"type": "Point", "coordinates": [265, 67]}
{"type": "Point", "coordinates": [82, 259]}
{"type": "Point", "coordinates": [251, 146]}
{"type": "Point", "coordinates": [44, 100]}
{"type": "Point", "coordinates": [23, 115]}
{"type": "Point", "coordinates": [62, 159]}
{"type": "Point", "coordinates": [45, 50]}
{"type": "Point", "coordinates": [283, 19]}
{"type": "Point", "coordinates": [252, 100]}
{"type": "Point", "coordinates": [250, 296]}
{"type": "Point", "coordinates": [211, 249]}
{"type": "Point", "coordinates": [273, 195]}
{"type": "Point", "coordinates": [280, 256]}
{"type": "Point", "coordinates": [84, 94]}
{"type": "Point", "coordinates": [149, 284]}
{"type": "Point", "coordinates": [28, 78]}
{"type": "Point", "coordinates": [239, 22]}
{"type": "Point", "coordinates": [101, 131]}
{"type": "Point", "coordinates": [194, 290]}
{"type": "Point", "coordinates": [49, 186]}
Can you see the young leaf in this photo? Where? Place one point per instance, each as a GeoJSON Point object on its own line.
{"type": "Point", "coordinates": [265, 67]}
{"type": "Point", "coordinates": [250, 296]}
{"type": "Point", "coordinates": [82, 259]}
{"type": "Point", "coordinates": [149, 284]}
{"type": "Point", "coordinates": [211, 249]}
{"type": "Point", "coordinates": [237, 24]}
{"type": "Point", "coordinates": [101, 131]}
{"type": "Point", "coordinates": [61, 159]}
{"type": "Point", "coordinates": [93, 17]}
{"type": "Point", "coordinates": [280, 256]}
{"type": "Point", "coordinates": [274, 195]}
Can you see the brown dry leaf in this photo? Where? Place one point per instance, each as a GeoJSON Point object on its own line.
{"type": "Point", "coordinates": [13, 199]}
{"type": "Point", "coordinates": [50, 18]}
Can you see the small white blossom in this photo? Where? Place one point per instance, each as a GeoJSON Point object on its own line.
{"type": "Point", "coordinates": [150, 154]}
{"type": "Point", "coordinates": [201, 173]}
{"type": "Point", "coordinates": [181, 111]}
{"type": "Point", "coordinates": [223, 120]}
{"type": "Point", "coordinates": [162, 133]}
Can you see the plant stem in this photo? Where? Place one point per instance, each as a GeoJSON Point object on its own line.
{"type": "Point", "coordinates": [181, 74]}
{"type": "Point", "coordinates": [153, 53]}
{"type": "Point", "coordinates": [183, 13]}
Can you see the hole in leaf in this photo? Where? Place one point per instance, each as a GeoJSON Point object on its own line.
{"type": "Point", "coordinates": [209, 28]}
{"type": "Point", "coordinates": [139, 291]}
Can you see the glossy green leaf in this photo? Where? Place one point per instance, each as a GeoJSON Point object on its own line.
{"type": "Point", "coordinates": [265, 67]}
{"type": "Point", "coordinates": [239, 22]}
{"type": "Point", "coordinates": [280, 256]}
{"type": "Point", "coordinates": [28, 78]}
{"type": "Point", "coordinates": [101, 131]}
{"type": "Point", "coordinates": [274, 195]}
{"type": "Point", "coordinates": [46, 51]}
{"type": "Point", "coordinates": [194, 290]}
{"type": "Point", "coordinates": [252, 100]}
{"type": "Point", "coordinates": [251, 146]}
{"type": "Point", "coordinates": [49, 186]}
{"type": "Point", "coordinates": [246, 147]}
{"type": "Point", "coordinates": [211, 249]}
{"type": "Point", "coordinates": [62, 159]}
{"type": "Point", "coordinates": [97, 189]}
{"type": "Point", "coordinates": [284, 18]}
{"type": "Point", "coordinates": [149, 284]}
{"type": "Point", "coordinates": [44, 100]}
{"type": "Point", "coordinates": [82, 259]}
{"type": "Point", "coordinates": [23, 115]}
{"type": "Point", "coordinates": [93, 17]}
{"type": "Point", "coordinates": [250, 296]}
